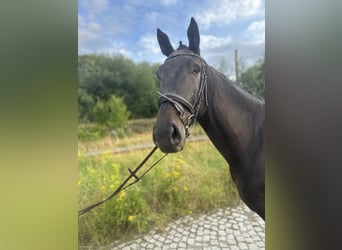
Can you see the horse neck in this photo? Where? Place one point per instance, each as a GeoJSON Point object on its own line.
{"type": "Point", "coordinates": [234, 119]}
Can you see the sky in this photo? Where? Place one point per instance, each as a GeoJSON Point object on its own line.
{"type": "Point", "coordinates": [129, 28]}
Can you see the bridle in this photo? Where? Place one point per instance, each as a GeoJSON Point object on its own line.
{"type": "Point", "coordinates": [179, 103]}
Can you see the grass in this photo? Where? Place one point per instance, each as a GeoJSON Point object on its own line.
{"type": "Point", "coordinates": [193, 181]}
{"type": "Point", "coordinates": [136, 132]}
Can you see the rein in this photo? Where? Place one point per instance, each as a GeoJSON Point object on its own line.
{"type": "Point", "coordinates": [124, 185]}
{"type": "Point", "coordinates": [179, 102]}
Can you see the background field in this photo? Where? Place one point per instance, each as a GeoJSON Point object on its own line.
{"type": "Point", "coordinates": [193, 181]}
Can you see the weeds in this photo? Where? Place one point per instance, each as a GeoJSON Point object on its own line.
{"type": "Point", "coordinates": [192, 181]}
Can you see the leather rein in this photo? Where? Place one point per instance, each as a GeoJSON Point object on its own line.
{"type": "Point", "coordinates": [125, 184]}
{"type": "Point", "coordinates": [180, 103]}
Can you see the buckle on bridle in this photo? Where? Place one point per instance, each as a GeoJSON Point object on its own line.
{"type": "Point", "coordinates": [179, 103]}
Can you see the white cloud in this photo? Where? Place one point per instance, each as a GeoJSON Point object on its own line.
{"type": "Point", "coordinates": [249, 8]}
{"type": "Point", "coordinates": [86, 38]}
{"type": "Point", "coordinates": [153, 16]}
{"type": "Point", "coordinates": [210, 42]}
{"type": "Point", "coordinates": [94, 27]}
{"type": "Point", "coordinates": [85, 35]}
{"type": "Point", "coordinates": [255, 33]}
{"type": "Point", "coordinates": [94, 8]}
{"type": "Point", "coordinates": [149, 44]}
{"type": "Point", "coordinates": [100, 5]}
{"type": "Point", "coordinates": [88, 33]}
{"type": "Point", "coordinates": [115, 49]}
{"type": "Point", "coordinates": [169, 2]}
{"type": "Point", "coordinates": [225, 12]}
{"type": "Point", "coordinates": [81, 21]}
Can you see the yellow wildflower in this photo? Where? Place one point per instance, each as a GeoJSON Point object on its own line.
{"type": "Point", "coordinates": [185, 188]}
{"type": "Point", "coordinates": [79, 182]}
{"type": "Point", "coordinates": [122, 195]}
{"type": "Point", "coordinates": [180, 161]}
{"type": "Point", "coordinates": [130, 218]}
{"type": "Point", "coordinates": [175, 174]}
{"type": "Point", "coordinates": [91, 170]}
{"type": "Point", "coordinates": [115, 166]}
{"type": "Point", "coordinates": [112, 178]}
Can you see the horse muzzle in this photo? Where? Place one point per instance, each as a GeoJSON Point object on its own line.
{"type": "Point", "coordinates": [169, 138]}
{"type": "Point", "coordinates": [169, 133]}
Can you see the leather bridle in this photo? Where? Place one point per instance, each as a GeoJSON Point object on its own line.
{"type": "Point", "coordinates": [180, 103]}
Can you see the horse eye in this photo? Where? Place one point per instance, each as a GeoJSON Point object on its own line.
{"type": "Point", "coordinates": [196, 69]}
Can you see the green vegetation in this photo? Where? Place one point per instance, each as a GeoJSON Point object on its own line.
{"type": "Point", "coordinates": [112, 114]}
{"type": "Point", "coordinates": [193, 181]}
{"type": "Point", "coordinates": [254, 78]}
{"type": "Point", "coordinates": [100, 77]}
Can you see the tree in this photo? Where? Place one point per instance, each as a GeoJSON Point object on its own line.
{"type": "Point", "coordinates": [142, 98]}
{"type": "Point", "coordinates": [223, 67]}
{"type": "Point", "coordinates": [112, 113]}
{"type": "Point", "coordinates": [254, 78]}
{"type": "Point", "coordinates": [85, 105]}
{"type": "Point", "coordinates": [101, 76]}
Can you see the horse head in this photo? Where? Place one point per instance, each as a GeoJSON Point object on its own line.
{"type": "Point", "coordinates": [182, 89]}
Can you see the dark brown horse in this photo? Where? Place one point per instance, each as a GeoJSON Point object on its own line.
{"type": "Point", "coordinates": [232, 118]}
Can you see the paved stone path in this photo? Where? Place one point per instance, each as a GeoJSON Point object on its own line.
{"type": "Point", "coordinates": [230, 228]}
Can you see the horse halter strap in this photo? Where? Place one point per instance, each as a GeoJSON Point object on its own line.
{"type": "Point", "coordinates": [179, 103]}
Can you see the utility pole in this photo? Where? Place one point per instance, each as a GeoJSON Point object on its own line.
{"type": "Point", "coordinates": [236, 66]}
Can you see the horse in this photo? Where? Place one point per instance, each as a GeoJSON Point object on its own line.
{"type": "Point", "coordinates": [232, 117]}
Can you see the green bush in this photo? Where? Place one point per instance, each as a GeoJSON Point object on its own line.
{"type": "Point", "coordinates": [90, 133]}
{"type": "Point", "coordinates": [112, 113]}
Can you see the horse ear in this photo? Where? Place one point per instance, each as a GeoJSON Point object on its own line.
{"type": "Point", "coordinates": [164, 43]}
{"type": "Point", "coordinates": [193, 36]}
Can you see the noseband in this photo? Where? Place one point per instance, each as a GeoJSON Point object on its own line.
{"type": "Point", "coordinates": [179, 103]}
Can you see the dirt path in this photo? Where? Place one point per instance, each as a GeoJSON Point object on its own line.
{"type": "Point", "coordinates": [138, 147]}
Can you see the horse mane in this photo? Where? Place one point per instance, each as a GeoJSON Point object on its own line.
{"type": "Point", "coordinates": [237, 85]}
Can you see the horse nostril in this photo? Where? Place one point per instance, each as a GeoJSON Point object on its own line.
{"type": "Point", "coordinates": [175, 135]}
{"type": "Point", "coordinates": [168, 138]}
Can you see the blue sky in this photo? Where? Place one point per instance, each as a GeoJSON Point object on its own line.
{"type": "Point", "coordinates": [129, 28]}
